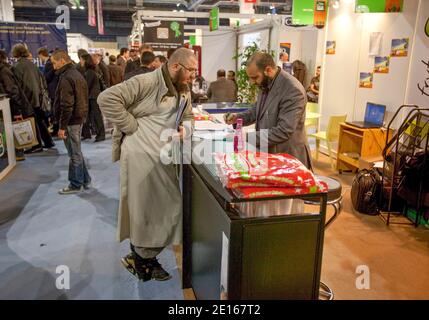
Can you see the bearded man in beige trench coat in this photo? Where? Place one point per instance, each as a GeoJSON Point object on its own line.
{"type": "Point", "coordinates": [150, 209]}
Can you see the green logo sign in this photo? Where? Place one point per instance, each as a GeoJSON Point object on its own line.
{"type": "Point", "coordinates": [214, 19]}
{"type": "Point", "coordinates": [303, 12]}
{"type": "Point", "coordinates": [175, 26]}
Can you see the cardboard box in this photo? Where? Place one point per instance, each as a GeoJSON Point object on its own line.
{"type": "Point", "coordinates": [368, 162]}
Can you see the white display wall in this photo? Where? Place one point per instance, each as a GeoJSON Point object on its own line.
{"type": "Point", "coordinates": [419, 71]}
{"type": "Point", "coordinates": [340, 75]}
{"type": "Point", "coordinates": [76, 41]}
{"type": "Point", "coordinates": [218, 48]}
{"type": "Point", "coordinates": [306, 45]}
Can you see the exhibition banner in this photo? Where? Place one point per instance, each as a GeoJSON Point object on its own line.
{"type": "Point", "coordinates": [418, 88]}
{"type": "Point", "coordinates": [303, 12]}
{"type": "Point", "coordinates": [91, 13]}
{"type": "Point", "coordinates": [373, 6]}
{"type": "Point", "coordinates": [35, 36]}
{"type": "Point", "coordinates": [163, 35]}
{"type": "Point", "coordinates": [100, 17]}
{"type": "Point", "coordinates": [214, 19]}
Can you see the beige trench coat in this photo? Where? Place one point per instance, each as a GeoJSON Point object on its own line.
{"type": "Point", "coordinates": [150, 209]}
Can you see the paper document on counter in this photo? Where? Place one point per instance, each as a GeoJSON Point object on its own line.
{"type": "Point", "coordinates": [205, 125]}
{"type": "Point", "coordinates": [214, 135]}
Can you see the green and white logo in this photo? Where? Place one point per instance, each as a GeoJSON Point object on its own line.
{"type": "Point", "coordinates": [175, 26]}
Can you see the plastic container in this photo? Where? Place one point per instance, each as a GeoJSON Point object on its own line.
{"type": "Point", "coordinates": [238, 136]}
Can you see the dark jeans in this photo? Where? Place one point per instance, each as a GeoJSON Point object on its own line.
{"type": "Point", "coordinates": [96, 119]}
{"type": "Point", "coordinates": [42, 131]}
{"type": "Point", "coordinates": [78, 173]}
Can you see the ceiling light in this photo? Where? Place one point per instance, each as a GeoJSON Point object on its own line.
{"type": "Point", "coordinates": [178, 5]}
{"type": "Point", "coordinates": [174, 10]}
{"type": "Point", "coordinates": [74, 7]}
{"type": "Point", "coordinates": [81, 7]}
{"type": "Point", "coordinates": [181, 10]}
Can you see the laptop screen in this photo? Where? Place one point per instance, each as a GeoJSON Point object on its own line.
{"type": "Point", "coordinates": [374, 113]}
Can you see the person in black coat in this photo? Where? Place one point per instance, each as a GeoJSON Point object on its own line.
{"type": "Point", "coordinates": [146, 65]}
{"type": "Point", "coordinates": [28, 77]}
{"type": "Point", "coordinates": [93, 80]}
{"type": "Point", "coordinates": [71, 103]}
{"type": "Point", "coordinates": [133, 63]}
{"type": "Point", "coordinates": [19, 105]}
{"type": "Point", "coordinates": [52, 82]}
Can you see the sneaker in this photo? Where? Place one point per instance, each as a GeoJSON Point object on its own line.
{"type": "Point", "coordinates": [34, 150]}
{"type": "Point", "coordinates": [70, 190]}
{"type": "Point", "coordinates": [87, 186]}
{"type": "Point", "coordinates": [49, 146]}
{"type": "Point", "coordinates": [158, 272]}
{"type": "Point", "coordinates": [134, 265]}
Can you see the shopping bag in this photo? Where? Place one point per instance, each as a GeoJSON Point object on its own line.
{"type": "Point", "coordinates": [24, 133]}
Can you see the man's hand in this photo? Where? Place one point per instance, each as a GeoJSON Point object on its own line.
{"type": "Point", "coordinates": [62, 134]}
{"type": "Point", "coordinates": [230, 118]}
{"type": "Point", "coordinates": [181, 133]}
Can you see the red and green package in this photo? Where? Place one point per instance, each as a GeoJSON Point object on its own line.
{"type": "Point", "coordinates": [272, 192]}
{"type": "Point", "coordinates": [259, 175]}
{"type": "Point", "coordinates": [249, 168]}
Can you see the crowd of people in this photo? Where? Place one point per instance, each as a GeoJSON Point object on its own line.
{"type": "Point", "coordinates": [32, 89]}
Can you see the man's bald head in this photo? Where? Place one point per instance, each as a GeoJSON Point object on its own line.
{"type": "Point", "coordinates": [182, 67]}
{"type": "Point", "coordinates": [181, 55]}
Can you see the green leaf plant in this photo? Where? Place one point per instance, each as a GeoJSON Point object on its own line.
{"type": "Point", "coordinates": [247, 93]}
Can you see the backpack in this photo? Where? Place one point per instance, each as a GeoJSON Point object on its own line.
{"type": "Point", "coordinates": [45, 100]}
{"type": "Point", "coordinates": [365, 194]}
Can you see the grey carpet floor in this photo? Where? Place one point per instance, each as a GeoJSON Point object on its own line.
{"type": "Point", "coordinates": [46, 230]}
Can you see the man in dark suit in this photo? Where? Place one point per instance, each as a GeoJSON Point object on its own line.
{"type": "Point", "coordinates": [222, 90]}
{"type": "Point", "coordinates": [279, 113]}
{"type": "Point", "coordinates": [123, 59]}
{"type": "Point", "coordinates": [146, 65]}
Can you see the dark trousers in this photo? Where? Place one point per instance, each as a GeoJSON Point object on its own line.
{"type": "Point", "coordinates": [42, 131]}
{"type": "Point", "coordinates": [96, 118]}
{"type": "Point", "coordinates": [86, 129]}
{"type": "Point", "coordinates": [78, 173]}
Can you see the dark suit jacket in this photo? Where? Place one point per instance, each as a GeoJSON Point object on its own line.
{"type": "Point", "coordinates": [132, 66]}
{"type": "Point", "coordinates": [136, 72]}
{"type": "Point", "coordinates": [283, 117]}
{"type": "Point", "coordinates": [222, 90]}
{"type": "Point", "coordinates": [51, 79]}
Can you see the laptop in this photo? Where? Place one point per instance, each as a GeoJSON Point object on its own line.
{"type": "Point", "coordinates": [374, 116]}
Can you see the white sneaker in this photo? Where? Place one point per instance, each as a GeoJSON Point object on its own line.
{"type": "Point", "coordinates": [70, 190]}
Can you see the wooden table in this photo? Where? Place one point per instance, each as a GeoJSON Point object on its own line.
{"type": "Point", "coordinates": [355, 143]}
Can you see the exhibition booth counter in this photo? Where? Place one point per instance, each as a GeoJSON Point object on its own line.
{"type": "Point", "coordinates": [236, 248]}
